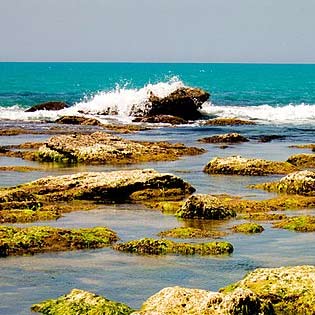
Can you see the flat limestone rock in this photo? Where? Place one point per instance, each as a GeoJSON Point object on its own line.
{"type": "Point", "coordinates": [301, 183]}
{"type": "Point", "coordinates": [79, 302]}
{"type": "Point", "coordinates": [291, 290]}
{"type": "Point", "coordinates": [204, 206]}
{"type": "Point", "coordinates": [303, 160]}
{"type": "Point", "coordinates": [228, 122]}
{"type": "Point", "coordinates": [183, 301]}
{"type": "Point", "coordinates": [101, 147]}
{"type": "Point", "coordinates": [237, 165]}
{"type": "Point", "coordinates": [116, 186]}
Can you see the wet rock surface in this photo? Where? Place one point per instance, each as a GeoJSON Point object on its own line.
{"type": "Point", "coordinates": [101, 147]}
{"type": "Point", "coordinates": [228, 122]}
{"type": "Point", "coordinates": [303, 160]}
{"type": "Point", "coordinates": [52, 105]}
{"type": "Point", "coordinates": [78, 120]}
{"type": "Point", "coordinates": [189, 232]}
{"type": "Point", "coordinates": [225, 138]}
{"type": "Point", "coordinates": [164, 119]}
{"type": "Point", "coordinates": [237, 165]}
{"type": "Point", "coordinates": [248, 228]}
{"type": "Point", "coordinates": [205, 207]}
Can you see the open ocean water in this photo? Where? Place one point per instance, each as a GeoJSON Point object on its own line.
{"type": "Point", "coordinates": [280, 98]}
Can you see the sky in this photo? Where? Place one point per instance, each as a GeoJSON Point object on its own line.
{"type": "Point", "coordinates": [158, 31]}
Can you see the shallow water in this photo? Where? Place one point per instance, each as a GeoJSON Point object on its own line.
{"type": "Point", "coordinates": [131, 278]}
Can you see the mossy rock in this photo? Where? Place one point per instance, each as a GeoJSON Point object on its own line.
{"type": "Point", "coordinates": [248, 228]}
{"type": "Point", "coordinates": [302, 183]}
{"type": "Point", "coordinates": [165, 206]}
{"type": "Point", "coordinates": [27, 215]}
{"type": "Point", "coordinates": [204, 207]}
{"type": "Point", "coordinates": [236, 165]}
{"type": "Point", "coordinates": [79, 302]}
{"type": "Point", "coordinates": [303, 160]}
{"type": "Point", "coordinates": [262, 216]}
{"type": "Point", "coordinates": [31, 240]}
{"type": "Point", "coordinates": [189, 232]}
{"type": "Point", "coordinates": [151, 246]}
{"type": "Point", "coordinates": [291, 290]}
{"type": "Point", "coordinates": [298, 224]}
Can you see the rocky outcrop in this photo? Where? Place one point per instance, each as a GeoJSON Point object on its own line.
{"type": "Point", "coordinates": [291, 290]}
{"type": "Point", "coordinates": [79, 302]}
{"type": "Point", "coordinates": [39, 239]}
{"type": "Point", "coordinates": [302, 183]}
{"type": "Point", "coordinates": [237, 165]}
{"type": "Point", "coordinates": [189, 232]}
{"type": "Point", "coordinates": [297, 224]}
{"type": "Point", "coordinates": [228, 122]}
{"type": "Point", "coordinates": [149, 246]}
{"type": "Point", "coordinates": [117, 186]}
{"type": "Point", "coordinates": [225, 138]}
{"type": "Point", "coordinates": [204, 207]}
{"type": "Point", "coordinates": [78, 120]}
{"type": "Point", "coordinates": [303, 160]}
{"type": "Point", "coordinates": [183, 103]}
{"type": "Point", "coordinates": [101, 147]}
{"type": "Point", "coordinates": [162, 119]}
{"type": "Point", "coordinates": [248, 228]}
{"type": "Point", "coordinates": [53, 105]}
{"type": "Point", "coordinates": [181, 301]}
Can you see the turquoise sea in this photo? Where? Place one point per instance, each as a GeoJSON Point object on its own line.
{"type": "Point", "coordinates": [280, 98]}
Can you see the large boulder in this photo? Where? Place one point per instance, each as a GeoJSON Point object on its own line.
{"type": "Point", "coordinates": [204, 207]}
{"type": "Point", "coordinates": [182, 301]}
{"type": "Point", "coordinates": [79, 302]}
{"type": "Point", "coordinates": [237, 165]}
{"type": "Point", "coordinates": [116, 186]}
{"type": "Point", "coordinates": [291, 290]}
{"type": "Point", "coordinates": [184, 103]}
{"type": "Point", "coordinates": [303, 160]}
{"type": "Point", "coordinates": [52, 105]}
{"type": "Point", "coordinates": [101, 147]}
{"type": "Point", "coordinates": [302, 183]}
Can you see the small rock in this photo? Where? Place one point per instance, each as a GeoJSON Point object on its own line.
{"type": "Point", "coordinates": [53, 105]}
{"type": "Point", "coordinates": [225, 138]}
{"type": "Point", "coordinates": [78, 120]}
{"type": "Point", "coordinates": [164, 119]}
{"type": "Point", "coordinates": [228, 122]}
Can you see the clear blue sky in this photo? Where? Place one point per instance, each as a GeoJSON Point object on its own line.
{"type": "Point", "coordinates": [159, 30]}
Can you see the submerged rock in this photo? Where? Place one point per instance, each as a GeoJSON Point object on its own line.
{"type": "Point", "coordinates": [228, 122]}
{"type": "Point", "coordinates": [38, 239]}
{"type": "Point", "coordinates": [303, 160]}
{"type": "Point", "coordinates": [237, 165]}
{"type": "Point", "coordinates": [149, 246]}
{"type": "Point", "coordinates": [53, 105]}
{"type": "Point", "coordinates": [183, 103]}
{"type": "Point", "coordinates": [101, 147]}
{"type": "Point", "coordinates": [116, 186]}
{"type": "Point", "coordinates": [79, 302]}
{"type": "Point", "coordinates": [205, 207]}
{"type": "Point", "coordinates": [302, 183]}
{"type": "Point", "coordinates": [182, 301]}
{"type": "Point", "coordinates": [225, 138]}
{"type": "Point", "coordinates": [291, 290]}
{"type": "Point", "coordinates": [269, 138]}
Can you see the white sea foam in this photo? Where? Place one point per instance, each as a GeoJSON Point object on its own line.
{"type": "Point", "coordinates": [288, 114]}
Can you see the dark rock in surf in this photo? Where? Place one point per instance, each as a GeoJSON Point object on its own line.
{"type": "Point", "coordinates": [78, 120]}
{"type": "Point", "coordinates": [184, 103]}
{"type": "Point", "coordinates": [53, 105]}
{"type": "Point", "coordinates": [162, 119]}
{"type": "Point", "coordinates": [225, 138]}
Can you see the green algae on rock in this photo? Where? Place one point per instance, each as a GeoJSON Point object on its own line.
{"type": "Point", "coordinates": [149, 246]}
{"type": "Point", "coordinates": [205, 207]}
{"type": "Point", "coordinates": [225, 138]}
{"type": "Point", "coordinates": [100, 147]}
{"type": "Point", "coordinates": [189, 232]}
{"type": "Point", "coordinates": [184, 301]}
{"type": "Point", "coordinates": [116, 186]}
{"type": "Point", "coordinates": [38, 239]}
{"type": "Point", "coordinates": [303, 160]}
{"type": "Point", "coordinates": [248, 228]}
{"type": "Point", "coordinates": [237, 165]}
{"type": "Point", "coordinates": [79, 302]}
{"type": "Point", "coordinates": [291, 290]}
{"type": "Point", "coordinates": [302, 183]}
{"type": "Point", "coordinates": [298, 224]}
